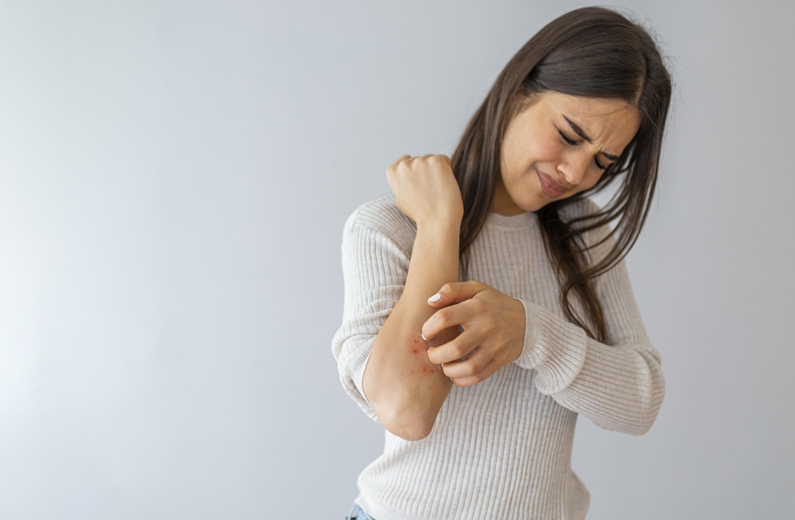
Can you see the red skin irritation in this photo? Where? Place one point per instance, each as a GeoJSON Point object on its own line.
{"type": "Point", "coordinates": [417, 341]}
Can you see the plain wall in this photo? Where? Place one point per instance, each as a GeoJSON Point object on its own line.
{"type": "Point", "coordinates": [174, 179]}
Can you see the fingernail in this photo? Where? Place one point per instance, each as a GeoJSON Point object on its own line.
{"type": "Point", "coordinates": [423, 336]}
{"type": "Point", "coordinates": [435, 298]}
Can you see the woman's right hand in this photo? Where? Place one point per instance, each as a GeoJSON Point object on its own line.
{"type": "Point", "coordinates": [425, 189]}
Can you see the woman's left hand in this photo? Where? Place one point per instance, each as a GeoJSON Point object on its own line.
{"type": "Point", "coordinates": [493, 335]}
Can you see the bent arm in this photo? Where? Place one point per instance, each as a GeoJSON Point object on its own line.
{"type": "Point", "coordinates": [390, 268]}
{"type": "Point", "coordinates": [619, 386]}
{"type": "Point", "coordinates": [404, 388]}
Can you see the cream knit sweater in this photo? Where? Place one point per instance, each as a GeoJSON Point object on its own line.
{"type": "Point", "coordinates": [500, 449]}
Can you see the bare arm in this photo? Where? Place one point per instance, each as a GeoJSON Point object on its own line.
{"type": "Point", "coordinates": [404, 388]}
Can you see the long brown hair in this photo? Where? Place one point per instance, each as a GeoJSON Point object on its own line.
{"type": "Point", "coordinates": [591, 52]}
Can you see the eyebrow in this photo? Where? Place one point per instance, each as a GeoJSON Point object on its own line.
{"type": "Point", "coordinates": [579, 131]}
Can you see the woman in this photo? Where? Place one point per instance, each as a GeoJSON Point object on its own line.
{"type": "Point", "coordinates": [487, 303]}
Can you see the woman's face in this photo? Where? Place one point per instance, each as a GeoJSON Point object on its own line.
{"type": "Point", "coordinates": [559, 146]}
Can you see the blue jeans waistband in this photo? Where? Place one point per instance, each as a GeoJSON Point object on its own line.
{"type": "Point", "coordinates": [357, 513]}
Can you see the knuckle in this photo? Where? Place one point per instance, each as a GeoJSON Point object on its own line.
{"type": "Point", "coordinates": [473, 368]}
{"type": "Point", "coordinates": [460, 350]}
{"type": "Point", "coordinates": [477, 366]}
{"type": "Point", "coordinates": [491, 328]}
{"type": "Point", "coordinates": [479, 306]}
{"type": "Point", "coordinates": [443, 318]}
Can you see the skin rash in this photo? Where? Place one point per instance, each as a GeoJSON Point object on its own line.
{"type": "Point", "coordinates": [420, 349]}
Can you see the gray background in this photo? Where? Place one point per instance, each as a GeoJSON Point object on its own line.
{"type": "Point", "coordinates": [174, 178]}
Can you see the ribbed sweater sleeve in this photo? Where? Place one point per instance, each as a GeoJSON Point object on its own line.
{"type": "Point", "coordinates": [620, 385]}
{"type": "Point", "coordinates": [375, 268]}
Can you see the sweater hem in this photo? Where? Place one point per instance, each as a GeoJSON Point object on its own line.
{"type": "Point", "coordinates": [379, 512]}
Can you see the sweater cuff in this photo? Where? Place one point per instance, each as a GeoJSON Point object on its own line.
{"type": "Point", "coordinates": [530, 356]}
{"type": "Point", "coordinates": [553, 347]}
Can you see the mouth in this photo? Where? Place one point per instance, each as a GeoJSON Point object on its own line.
{"type": "Point", "coordinates": [550, 188]}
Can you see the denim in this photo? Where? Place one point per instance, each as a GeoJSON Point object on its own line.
{"type": "Point", "coordinates": [357, 513]}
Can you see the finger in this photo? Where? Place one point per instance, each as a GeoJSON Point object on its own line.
{"type": "Point", "coordinates": [454, 350]}
{"type": "Point", "coordinates": [473, 364]}
{"type": "Point", "coordinates": [481, 376]}
{"type": "Point", "coordinates": [458, 314]}
{"type": "Point", "coordinates": [454, 292]}
{"type": "Point", "coordinates": [401, 158]}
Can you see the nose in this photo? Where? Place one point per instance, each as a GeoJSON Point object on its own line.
{"type": "Point", "coordinates": [573, 166]}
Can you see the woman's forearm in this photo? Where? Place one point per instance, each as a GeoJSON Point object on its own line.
{"type": "Point", "coordinates": [404, 388]}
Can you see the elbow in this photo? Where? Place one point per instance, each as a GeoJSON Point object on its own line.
{"type": "Point", "coordinates": [643, 425]}
{"type": "Point", "coordinates": [652, 408]}
{"type": "Point", "coordinates": [408, 426]}
{"type": "Point", "coordinates": [640, 429]}
{"type": "Point", "coordinates": [405, 416]}
{"type": "Point", "coordinates": [644, 420]}
{"type": "Point", "coordinates": [636, 428]}
{"type": "Point", "coordinates": [636, 421]}
{"type": "Point", "coordinates": [410, 432]}
{"type": "Point", "coordinates": [649, 408]}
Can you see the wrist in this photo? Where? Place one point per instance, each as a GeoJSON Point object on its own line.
{"type": "Point", "coordinates": [440, 226]}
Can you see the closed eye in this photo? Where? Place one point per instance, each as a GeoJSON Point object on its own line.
{"type": "Point", "coordinates": [566, 138]}
{"type": "Point", "coordinates": [574, 143]}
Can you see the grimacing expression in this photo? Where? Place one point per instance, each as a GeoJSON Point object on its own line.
{"type": "Point", "coordinates": [560, 145]}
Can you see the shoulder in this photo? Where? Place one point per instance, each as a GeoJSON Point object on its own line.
{"type": "Point", "coordinates": [383, 217]}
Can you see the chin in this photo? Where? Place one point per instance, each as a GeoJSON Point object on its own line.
{"type": "Point", "coordinates": [535, 203]}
